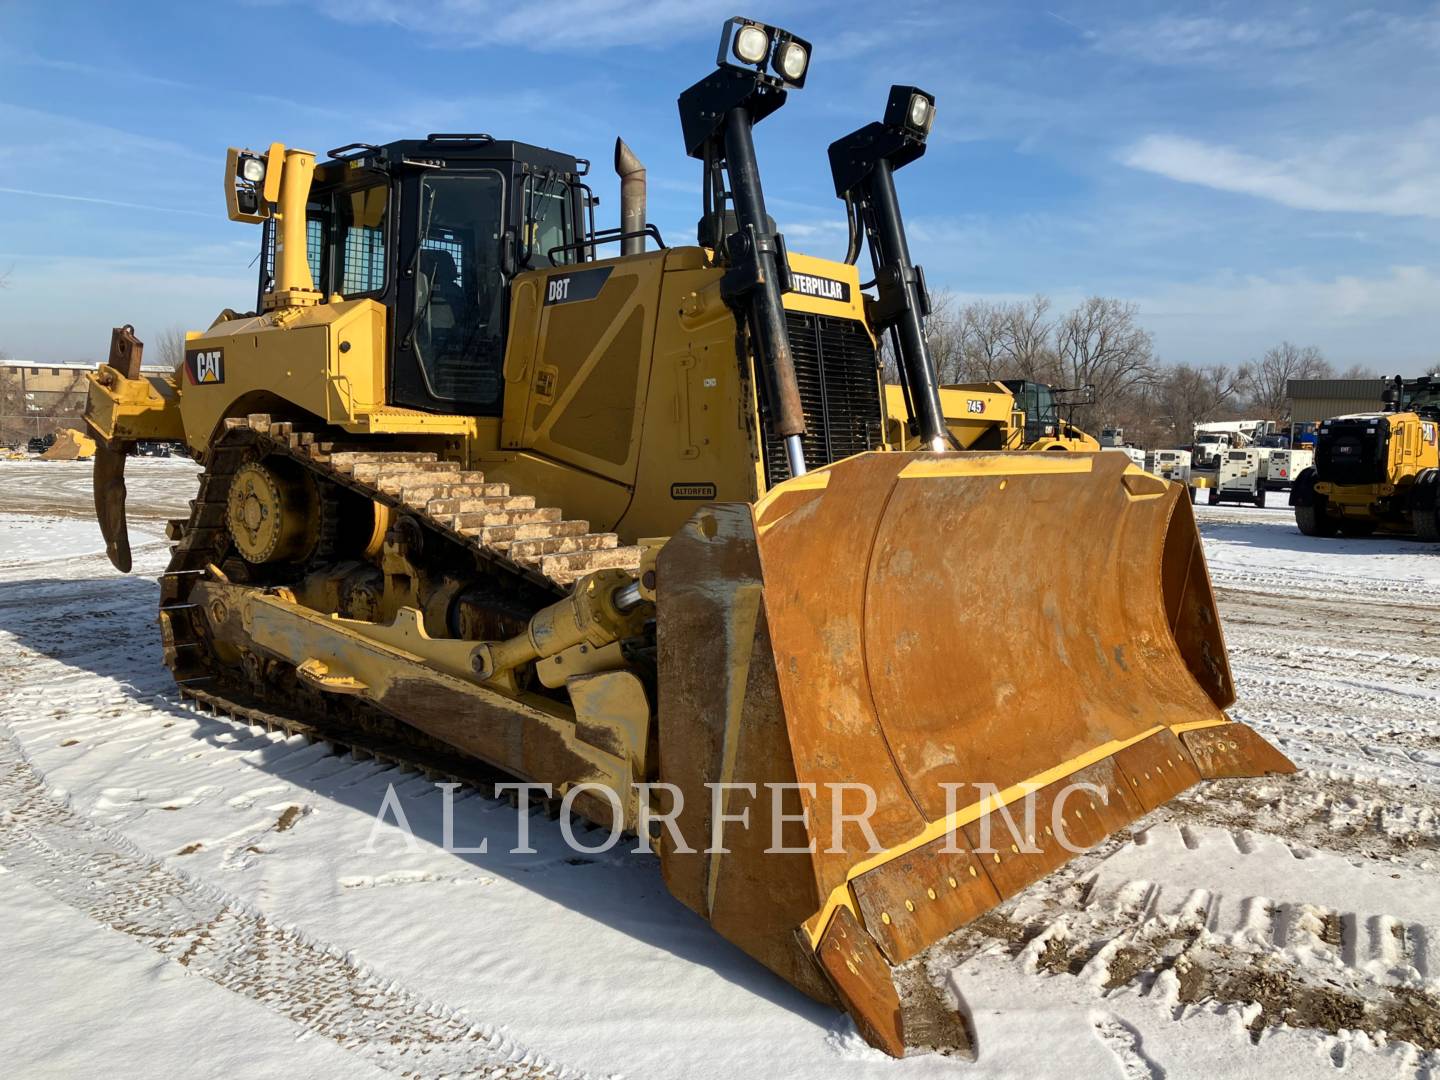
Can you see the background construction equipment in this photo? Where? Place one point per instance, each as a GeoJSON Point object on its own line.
{"type": "Point", "coordinates": [1376, 470]}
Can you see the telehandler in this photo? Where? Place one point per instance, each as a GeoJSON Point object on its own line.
{"type": "Point", "coordinates": [477, 491]}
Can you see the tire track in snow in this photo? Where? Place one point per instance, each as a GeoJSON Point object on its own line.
{"type": "Point", "coordinates": [1123, 1041]}
{"type": "Point", "coordinates": [218, 938]}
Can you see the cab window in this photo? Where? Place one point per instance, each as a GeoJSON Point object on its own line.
{"type": "Point", "coordinates": [547, 222]}
{"type": "Point", "coordinates": [361, 219]}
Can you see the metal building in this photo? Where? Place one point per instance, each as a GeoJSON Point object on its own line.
{"type": "Point", "coordinates": [1312, 400]}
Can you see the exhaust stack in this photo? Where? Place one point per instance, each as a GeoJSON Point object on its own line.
{"type": "Point", "coordinates": [632, 198]}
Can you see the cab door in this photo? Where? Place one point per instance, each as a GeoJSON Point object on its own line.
{"type": "Point", "coordinates": [448, 348]}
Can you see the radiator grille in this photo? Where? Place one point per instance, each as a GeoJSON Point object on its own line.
{"type": "Point", "coordinates": [839, 391]}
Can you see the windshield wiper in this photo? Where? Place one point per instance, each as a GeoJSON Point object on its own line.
{"type": "Point", "coordinates": [424, 313]}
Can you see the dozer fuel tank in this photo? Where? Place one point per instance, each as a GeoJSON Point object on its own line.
{"type": "Point", "coordinates": [930, 638]}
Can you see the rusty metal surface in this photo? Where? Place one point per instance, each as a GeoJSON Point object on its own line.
{"type": "Point", "coordinates": [862, 978]}
{"type": "Point", "coordinates": [1190, 605]}
{"type": "Point", "coordinates": [126, 351]}
{"type": "Point", "coordinates": [922, 624]}
{"type": "Point", "coordinates": [1157, 769]}
{"type": "Point", "coordinates": [1063, 819]}
{"type": "Point", "coordinates": [1234, 750]}
{"type": "Point", "coordinates": [967, 619]}
{"type": "Point", "coordinates": [721, 721]}
{"type": "Point", "coordinates": [922, 896]}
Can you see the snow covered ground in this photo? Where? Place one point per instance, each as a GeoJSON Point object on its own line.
{"type": "Point", "coordinates": [182, 896]}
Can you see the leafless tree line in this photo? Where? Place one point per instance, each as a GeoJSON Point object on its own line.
{"type": "Point", "coordinates": [1101, 343]}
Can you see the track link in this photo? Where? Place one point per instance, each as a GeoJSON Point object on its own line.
{"type": "Point", "coordinates": [507, 535]}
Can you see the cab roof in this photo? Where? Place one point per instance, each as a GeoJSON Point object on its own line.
{"type": "Point", "coordinates": [477, 148]}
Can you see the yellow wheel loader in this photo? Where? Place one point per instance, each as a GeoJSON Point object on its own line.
{"type": "Point", "coordinates": [482, 496]}
{"type": "Point", "coordinates": [1376, 471]}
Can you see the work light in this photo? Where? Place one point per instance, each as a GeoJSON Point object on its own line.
{"type": "Point", "coordinates": [791, 60]}
{"type": "Point", "coordinates": [252, 169]}
{"type": "Point", "coordinates": [910, 110]}
{"type": "Point", "coordinates": [920, 112]}
{"type": "Point", "coordinates": [751, 44]}
{"type": "Point", "coordinates": [778, 55]}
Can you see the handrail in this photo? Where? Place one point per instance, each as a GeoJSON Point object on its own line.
{"type": "Point", "coordinates": [607, 236]}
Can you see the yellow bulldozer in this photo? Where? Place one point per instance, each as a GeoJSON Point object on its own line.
{"type": "Point", "coordinates": [631, 529]}
{"type": "Point", "coordinates": [1376, 471]}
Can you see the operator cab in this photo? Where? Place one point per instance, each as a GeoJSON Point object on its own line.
{"type": "Point", "coordinates": [1420, 396]}
{"type": "Point", "coordinates": [435, 229]}
{"type": "Point", "coordinates": [1037, 402]}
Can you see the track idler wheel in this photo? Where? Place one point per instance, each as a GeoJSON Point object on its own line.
{"type": "Point", "coordinates": [273, 512]}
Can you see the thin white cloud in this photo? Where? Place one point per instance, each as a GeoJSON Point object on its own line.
{"type": "Point", "coordinates": [1397, 173]}
{"type": "Point", "coordinates": [553, 26]}
{"type": "Point", "coordinates": [95, 200]}
{"type": "Point", "coordinates": [1388, 320]}
{"type": "Point", "coordinates": [1173, 39]}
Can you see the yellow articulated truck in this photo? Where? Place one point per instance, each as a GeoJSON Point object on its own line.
{"type": "Point", "coordinates": [629, 525]}
{"type": "Point", "coordinates": [1012, 414]}
{"type": "Point", "coordinates": [1376, 471]}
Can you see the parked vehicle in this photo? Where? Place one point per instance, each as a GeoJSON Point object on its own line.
{"type": "Point", "coordinates": [1285, 466]}
{"type": "Point", "coordinates": [1173, 465]}
{"type": "Point", "coordinates": [1134, 453]}
{"type": "Point", "coordinates": [1241, 479]}
{"type": "Point", "coordinates": [1210, 447]}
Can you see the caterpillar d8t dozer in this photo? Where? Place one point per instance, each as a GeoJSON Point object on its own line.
{"type": "Point", "coordinates": [630, 527]}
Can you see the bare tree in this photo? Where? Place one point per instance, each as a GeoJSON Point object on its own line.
{"type": "Point", "coordinates": [1360, 371]}
{"type": "Point", "coordinates": [1028, 341]}
{"type": "Point", "coordinates": [1270, 381]}
{"type": "Point", "coordinates": [984, 332]}
{"type": "Point", "coordinates": [945, 331]}
{"type": "Point", "coordinates": [984, 341]}
{"type": "Point", "coordinates": [1187, 395]}
{"type": "Point", "coordinates": [1101, 344]}
{"type": "Point", "coordinates": [170, 347]}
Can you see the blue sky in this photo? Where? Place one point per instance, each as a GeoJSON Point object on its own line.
{"type": "Point", "coordinates": [1245, 173]}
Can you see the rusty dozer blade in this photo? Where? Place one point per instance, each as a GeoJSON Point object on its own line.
{"type": "Point", "coordinates": [942, 634]}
